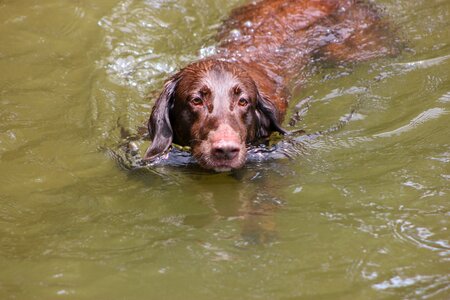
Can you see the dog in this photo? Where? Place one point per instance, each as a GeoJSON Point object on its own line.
{"type": "Point", "coordinates": [237, 97]}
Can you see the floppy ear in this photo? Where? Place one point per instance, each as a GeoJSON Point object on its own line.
{"type": "Point", "coordinates": [159, 126]}
{"type": "Point", "coordinates": [266, 114]}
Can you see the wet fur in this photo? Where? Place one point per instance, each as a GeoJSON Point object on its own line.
{"type": "Point", "coordinates": [277, 40]}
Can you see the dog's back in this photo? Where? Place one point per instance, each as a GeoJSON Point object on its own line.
{"type": "Point", "coordinates": [283, 36]}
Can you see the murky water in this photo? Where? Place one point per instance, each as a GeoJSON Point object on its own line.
{"type": "Point", "coordinates": [360, 213]}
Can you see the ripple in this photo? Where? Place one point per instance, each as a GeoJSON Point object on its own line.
{"type": "Point", "coordinates": [445, 98]}
{"type": "Point", "coordinates": [420, 236]}
{"type": "Point", "coordinates": [431, 285]}
{"type": "Point", "coordinates": [430, 114]}
{"type": "Point", "coordinates": [77, 16]}
{"type": "Point", "coordinates": [422, 64]}
{"type": "Point", "coordinates": [147, 40]}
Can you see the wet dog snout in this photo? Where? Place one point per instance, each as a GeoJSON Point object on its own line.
{"type": "Point", "coordinates": [225, 150]}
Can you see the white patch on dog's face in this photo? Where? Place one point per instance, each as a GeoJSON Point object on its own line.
{"type": "Point", "coordinates": [221, 84]}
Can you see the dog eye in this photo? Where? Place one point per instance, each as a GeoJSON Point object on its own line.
{"type": "Point", "coordinates": [243, 102]}
{"type": "Point", "coordinates": [197, 101]}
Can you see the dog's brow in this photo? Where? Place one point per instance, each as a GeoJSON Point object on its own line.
{"type": "Point", "coordinates": [237, 90]}
{"type": "Point", "coordinates": [205, 91]}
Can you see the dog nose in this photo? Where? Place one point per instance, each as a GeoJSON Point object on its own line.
{"type": "Point", "coordinates": [225, 150]}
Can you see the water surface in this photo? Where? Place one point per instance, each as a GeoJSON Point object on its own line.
{"type": "Point", "coordinates": [360, 213]}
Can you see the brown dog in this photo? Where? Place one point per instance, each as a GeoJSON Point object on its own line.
{"type": "Point", "coordinates": [219, 105]}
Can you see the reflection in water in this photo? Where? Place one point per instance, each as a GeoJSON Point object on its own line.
{"type": "Point", "coordinates": [245, 195]}
{"type": "Point", "coordinates": [247, 198]}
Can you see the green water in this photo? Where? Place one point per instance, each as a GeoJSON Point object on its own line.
{"type": "Point", "coordinates": [362, 213]}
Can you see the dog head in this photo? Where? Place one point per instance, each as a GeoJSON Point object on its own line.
{"type": "Point", "coordinates": [214, 107]}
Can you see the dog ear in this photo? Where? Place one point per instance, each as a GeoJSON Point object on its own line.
{"type": "Point", "coordinates": [266, 114]}
{"type": "Point", "coordinates": [159, 126]}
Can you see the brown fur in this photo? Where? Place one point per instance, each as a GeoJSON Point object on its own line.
{"type": "Point", "coordinates": [220, 104]}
